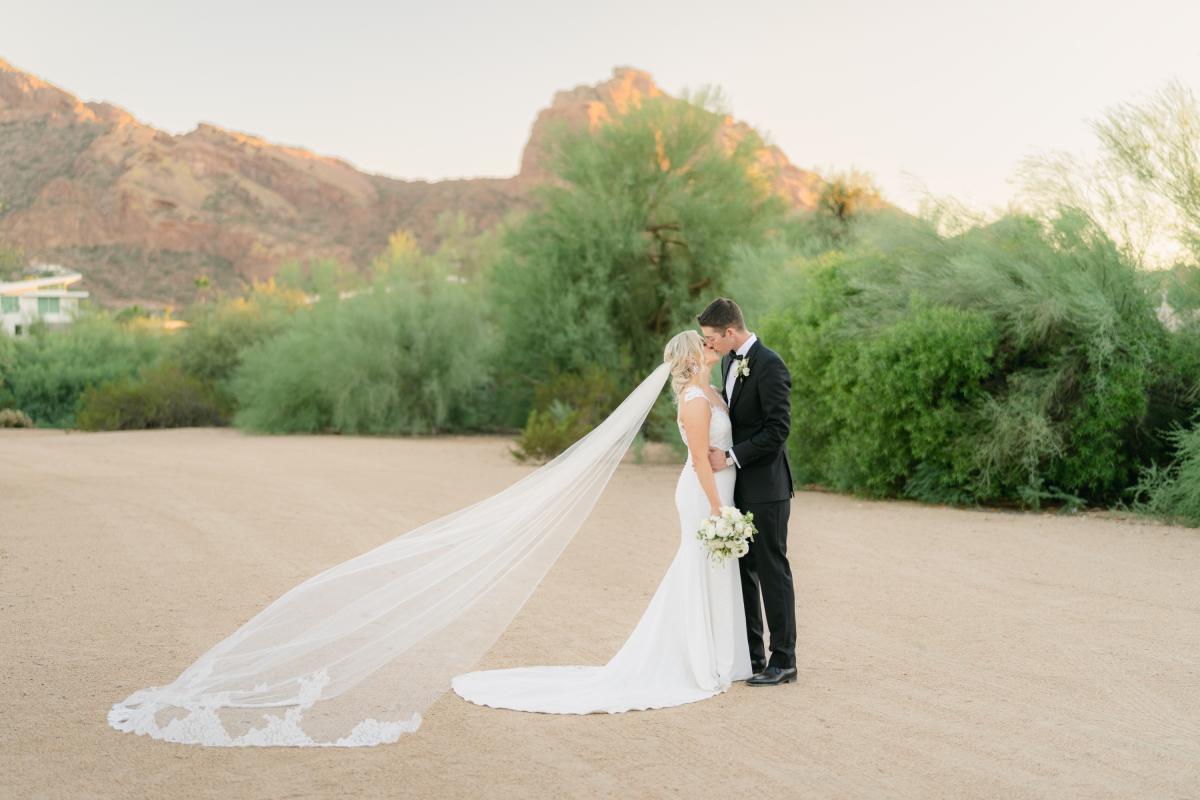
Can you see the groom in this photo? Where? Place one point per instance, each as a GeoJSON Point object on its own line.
{"type": "Point", "coordinates": [757, 387]}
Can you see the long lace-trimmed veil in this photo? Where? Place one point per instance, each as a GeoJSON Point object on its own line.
{"type": "Point", "coordinates": [354, 655]}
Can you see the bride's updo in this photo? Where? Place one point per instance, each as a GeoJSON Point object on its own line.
{"type": "Point", "coordinates": [685, 354]}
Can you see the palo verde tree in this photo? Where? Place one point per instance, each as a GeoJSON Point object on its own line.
{"type": "Point", "coordinates": [628, 243]}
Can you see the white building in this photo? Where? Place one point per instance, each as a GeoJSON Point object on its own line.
{"type": "Point", "coordinates": [46, 298]}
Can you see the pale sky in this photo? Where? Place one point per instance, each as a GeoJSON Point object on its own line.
{"type": "Point", "coordinates": [948, 94]}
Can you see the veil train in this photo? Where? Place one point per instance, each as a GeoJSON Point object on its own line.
{"type": "Point", "coordinates": [352, 656]}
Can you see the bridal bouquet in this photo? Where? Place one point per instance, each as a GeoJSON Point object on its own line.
{"type": "Point", "coordinates": [727, 534]}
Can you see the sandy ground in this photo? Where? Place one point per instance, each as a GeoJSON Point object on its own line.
{"type": "Point", "coordinates": [942, 652]}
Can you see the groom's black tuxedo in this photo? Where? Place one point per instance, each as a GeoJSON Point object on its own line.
{"type": "Point", "coordinates": [761, 413]}
{"type": "Point", "coordinates": [761, 417]}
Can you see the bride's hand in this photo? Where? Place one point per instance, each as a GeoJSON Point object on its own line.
{"type": "Point", "coordinates": [714, 511]}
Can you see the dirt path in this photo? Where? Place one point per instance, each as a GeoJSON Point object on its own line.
{"type": "Point", "coordinates": [942, 652]}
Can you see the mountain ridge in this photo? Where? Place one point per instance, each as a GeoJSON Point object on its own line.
{"type": "Point", "coordinates": [143, 212]}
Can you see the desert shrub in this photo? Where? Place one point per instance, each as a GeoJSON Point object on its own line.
{"type": "Point", "coordinates": [550, 431]}
{"type": "Point", "coordinates": [12, 418]}
{"type": "Point", "coordinates": [1169, 481]}
{"type": "Point", "coordinates": [908, 397]}
{"type": "Point", "coordinates": [804, 327]}
{"type": "Point", "coordinates": [1071, 371]}
{"type": "Point", "coordinates": [317, 275]}
{"type": "Point", "coordinates": [761, 275]}
{"type": "Point", "coordinates": [1173, 491]}
{"type": "Point", "coordinates": [566, 407]}
{"type": "Point", "coordinates": [162, 396]}
{"type": "Point", "coordinates": [8, 357]}
{"type": "Point", "coordinates": [48, 371]}
{"type": "Point", "coordinates": [411, 354]}
{"type": "Point", "coordinates": [1176, 393]}
{"type": "Point", "coordinates": [210, 349]}
{"type": "Point", "coordinates": [1014, 361]}
{"type": "Point", "coordinates": [888, 414]}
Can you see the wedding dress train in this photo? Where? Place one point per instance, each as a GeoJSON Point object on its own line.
{"type": "Point", "coordinates": [354, 655]}
{"type": "Point", "coordinates": [690, 643]}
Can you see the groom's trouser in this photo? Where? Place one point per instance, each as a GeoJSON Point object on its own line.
{"type": "Point", "coordinates": [765, 568]}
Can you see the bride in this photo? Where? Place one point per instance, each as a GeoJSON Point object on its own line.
{"type": "Point", "coordinates": [354, 655]}
{"type": "Point", "coordinates": [691, 641]}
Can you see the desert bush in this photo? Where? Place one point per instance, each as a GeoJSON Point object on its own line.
{"type": "Point", "coordinates": [48, 371]}
{"type": "Point", "coordinates": [549, 431]}
{"type": "Point", "coordinates": [8, 357]}
{"type": "Point", "coordinates": [1025, 359]}
{"type": "Point", "coordinates": [411, 354]}
{"type": "Point", "coordinates": [1173, 491]}
{"type": "Point", "coordinates": [317, 275]}
{"type": "Point", "coordinates": [210, 349]}
{"type": "Point", "coordinates": [1010, 362]}
{"type": "Point", "coordinates": [565, 408]}
{"type": "Point", "coordinates": [12, 418]}
{"type": "Point", "coordinates": [907, 397]}
{"type": "Point", "coordinates": [162, 396]}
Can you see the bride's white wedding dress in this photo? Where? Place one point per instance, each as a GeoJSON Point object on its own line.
{"type": "Point", "coordinates": [690, 643]}
{"type": "Point", "coordinates": [355, 654]}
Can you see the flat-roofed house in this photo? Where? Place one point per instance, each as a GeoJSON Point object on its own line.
{"type": "Point", "coordinates": [47, 298]}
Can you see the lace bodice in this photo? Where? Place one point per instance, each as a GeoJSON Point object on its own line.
{"type": "Point", "coordinates": [720, 431]}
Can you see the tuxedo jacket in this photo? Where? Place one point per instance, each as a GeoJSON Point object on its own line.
{"type": "Point", "coordinates": [760, 412]}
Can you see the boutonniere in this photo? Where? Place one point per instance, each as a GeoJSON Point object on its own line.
{"type": "Point", "coordinates": [743, 367]}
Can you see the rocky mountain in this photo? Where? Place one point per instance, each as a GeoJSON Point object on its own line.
{"type": "Point", "coordinates": [141, 212]}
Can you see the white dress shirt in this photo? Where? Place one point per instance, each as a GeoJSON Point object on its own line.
{"type": "Point", "coordinates": [733, 376]}
{"type": "Point", "coordinates": [741, 351]}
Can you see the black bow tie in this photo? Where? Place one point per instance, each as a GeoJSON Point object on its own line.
{"type": "Point", "coordinates": [737, 357]}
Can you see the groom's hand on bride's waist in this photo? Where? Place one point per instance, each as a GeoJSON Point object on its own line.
{"type": "Point", "coordinates": [716, 458]}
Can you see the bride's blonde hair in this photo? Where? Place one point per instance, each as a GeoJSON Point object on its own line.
{"type": "Point", "coordinates": [685, 354]}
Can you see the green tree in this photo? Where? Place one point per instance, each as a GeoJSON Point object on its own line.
{"type": "Point", "coordinates": [411, 353]}
{"type": "Point", "coordinates": [1158, 142]}
{"type": "Point", "coordinates": [323, 276]}
{"type": "Point", "coordinates": [625, 247]}
{"type": "Point", "coordinates": [1144, 186]}
{"type": "Point", "coordinates": [845, 195]}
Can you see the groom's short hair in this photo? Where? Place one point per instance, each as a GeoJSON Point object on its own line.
{"type": "Point", "coordinates": [722, 313]}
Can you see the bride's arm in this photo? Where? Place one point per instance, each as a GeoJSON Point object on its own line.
{"type": "Point", "coordinates": [695, 415]}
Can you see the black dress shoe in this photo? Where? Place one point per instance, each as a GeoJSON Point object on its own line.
{"type": "Point", "coordinates": [757, 666]}
{"type": "Point", "coordinates": [772, 676]}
